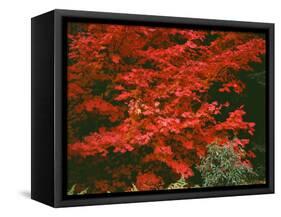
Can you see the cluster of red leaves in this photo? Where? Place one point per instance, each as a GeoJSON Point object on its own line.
{"type": "Point", "coordinates": [235, 122]}
{"type": "Point", "coordinates": [157, 93]}
{"type": "Point", "coordinates": [148, 181]}
{"type": "Point", "coordinates": [96, 104]}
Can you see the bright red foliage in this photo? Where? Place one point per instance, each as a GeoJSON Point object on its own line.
{"type": "Point", "coordinates": [156, 94]}
{"type": "Point", "coordinates": [148, 181]}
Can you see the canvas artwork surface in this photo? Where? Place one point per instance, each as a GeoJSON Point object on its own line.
{"type": "Point", "coordinates": [153, 108]}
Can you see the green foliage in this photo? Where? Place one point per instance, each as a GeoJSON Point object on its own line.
{"type": "Point", "coordinates": [72, 191]}
{"type": "Point", "coordinates": [180, 184]}
{"type": "Point", "coordinates": [134, 188]}
{"type": "Point", "coordinates": [222, 167]}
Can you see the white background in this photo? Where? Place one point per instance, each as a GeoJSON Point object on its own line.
{"type": "Point", "coordinates": [15, 106]}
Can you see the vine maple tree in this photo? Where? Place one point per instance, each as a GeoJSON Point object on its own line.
{"type": "Point", "coordinates": [148, 94]}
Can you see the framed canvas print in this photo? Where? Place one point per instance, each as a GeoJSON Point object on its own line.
{"type": "Point", "coordinates": [131, 108]}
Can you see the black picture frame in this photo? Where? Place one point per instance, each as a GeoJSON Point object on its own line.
{"type": "Point", "coordinates": [48, 146]}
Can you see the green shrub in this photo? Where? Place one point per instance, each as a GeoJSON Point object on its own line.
{"type": "Point", "coordinates": [222, 167]}
{"type": "Point", "coordinates": [73, 191]}
{"type": "Point", "coordinates": [180, 184]}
